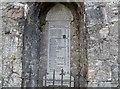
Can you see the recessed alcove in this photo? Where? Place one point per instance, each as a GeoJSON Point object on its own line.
{"type": "Point", "coordinates": [63, 19]}
{"type": "Point", "coordinates": [61, 22]}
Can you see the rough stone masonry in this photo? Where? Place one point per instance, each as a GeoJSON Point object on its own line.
{"type": "Point", "coordinates": [93, 43]}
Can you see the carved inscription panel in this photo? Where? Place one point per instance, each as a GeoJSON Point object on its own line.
{"type": "Point", "coordinates": [58, 48]}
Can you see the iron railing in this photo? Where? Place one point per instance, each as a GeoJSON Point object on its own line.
{"type": "Point", "coordinates": [76, 82]}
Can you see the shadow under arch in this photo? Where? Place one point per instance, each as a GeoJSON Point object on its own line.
{"type": "Point", "coordinates": [72, 6]}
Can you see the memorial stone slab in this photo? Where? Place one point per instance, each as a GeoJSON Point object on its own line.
{"type": "Point", "coordinates": [58, 26]}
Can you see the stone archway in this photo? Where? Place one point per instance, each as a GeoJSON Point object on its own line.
{"type": "Point", "coordinates": [78, 55]}
{"type": "Point", "coordinates": [58, 26]}
{"type": "Point", "coordinates": [36, 43]}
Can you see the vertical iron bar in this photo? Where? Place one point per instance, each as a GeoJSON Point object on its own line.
{"type": "Point", "coordinates": [78, 82]}
{"type": "Point", "coordinates": [78, 78]}
{"type": "Point", "coordinates": [62, 77]}
{"type": "Point", "coordinates": [53, 78]}
{"type": "Point", "coordinates": [45, 79]}
{"type": "Point", "coordinates": [70, 79]}
{"type": "Point", "coordinates": [74, 82]}
{"type": "Point", "coordinates": [30, 73]}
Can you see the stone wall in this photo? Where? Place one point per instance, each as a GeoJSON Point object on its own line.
{"type": "Point", "coordinates": [102, 27]}
{"type": "Point", "coordinates": [23, 46]}
{"type": "Point", "coordinates": [11, 44]}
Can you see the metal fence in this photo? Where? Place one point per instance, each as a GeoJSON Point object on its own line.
{"type": "Point", "coordinates": [72, 83]}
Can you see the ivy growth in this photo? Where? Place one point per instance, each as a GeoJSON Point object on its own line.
{"type": "Point", "coordinates": [13, 58]}
{"type": "Point", "coordinates": [41, 25]}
